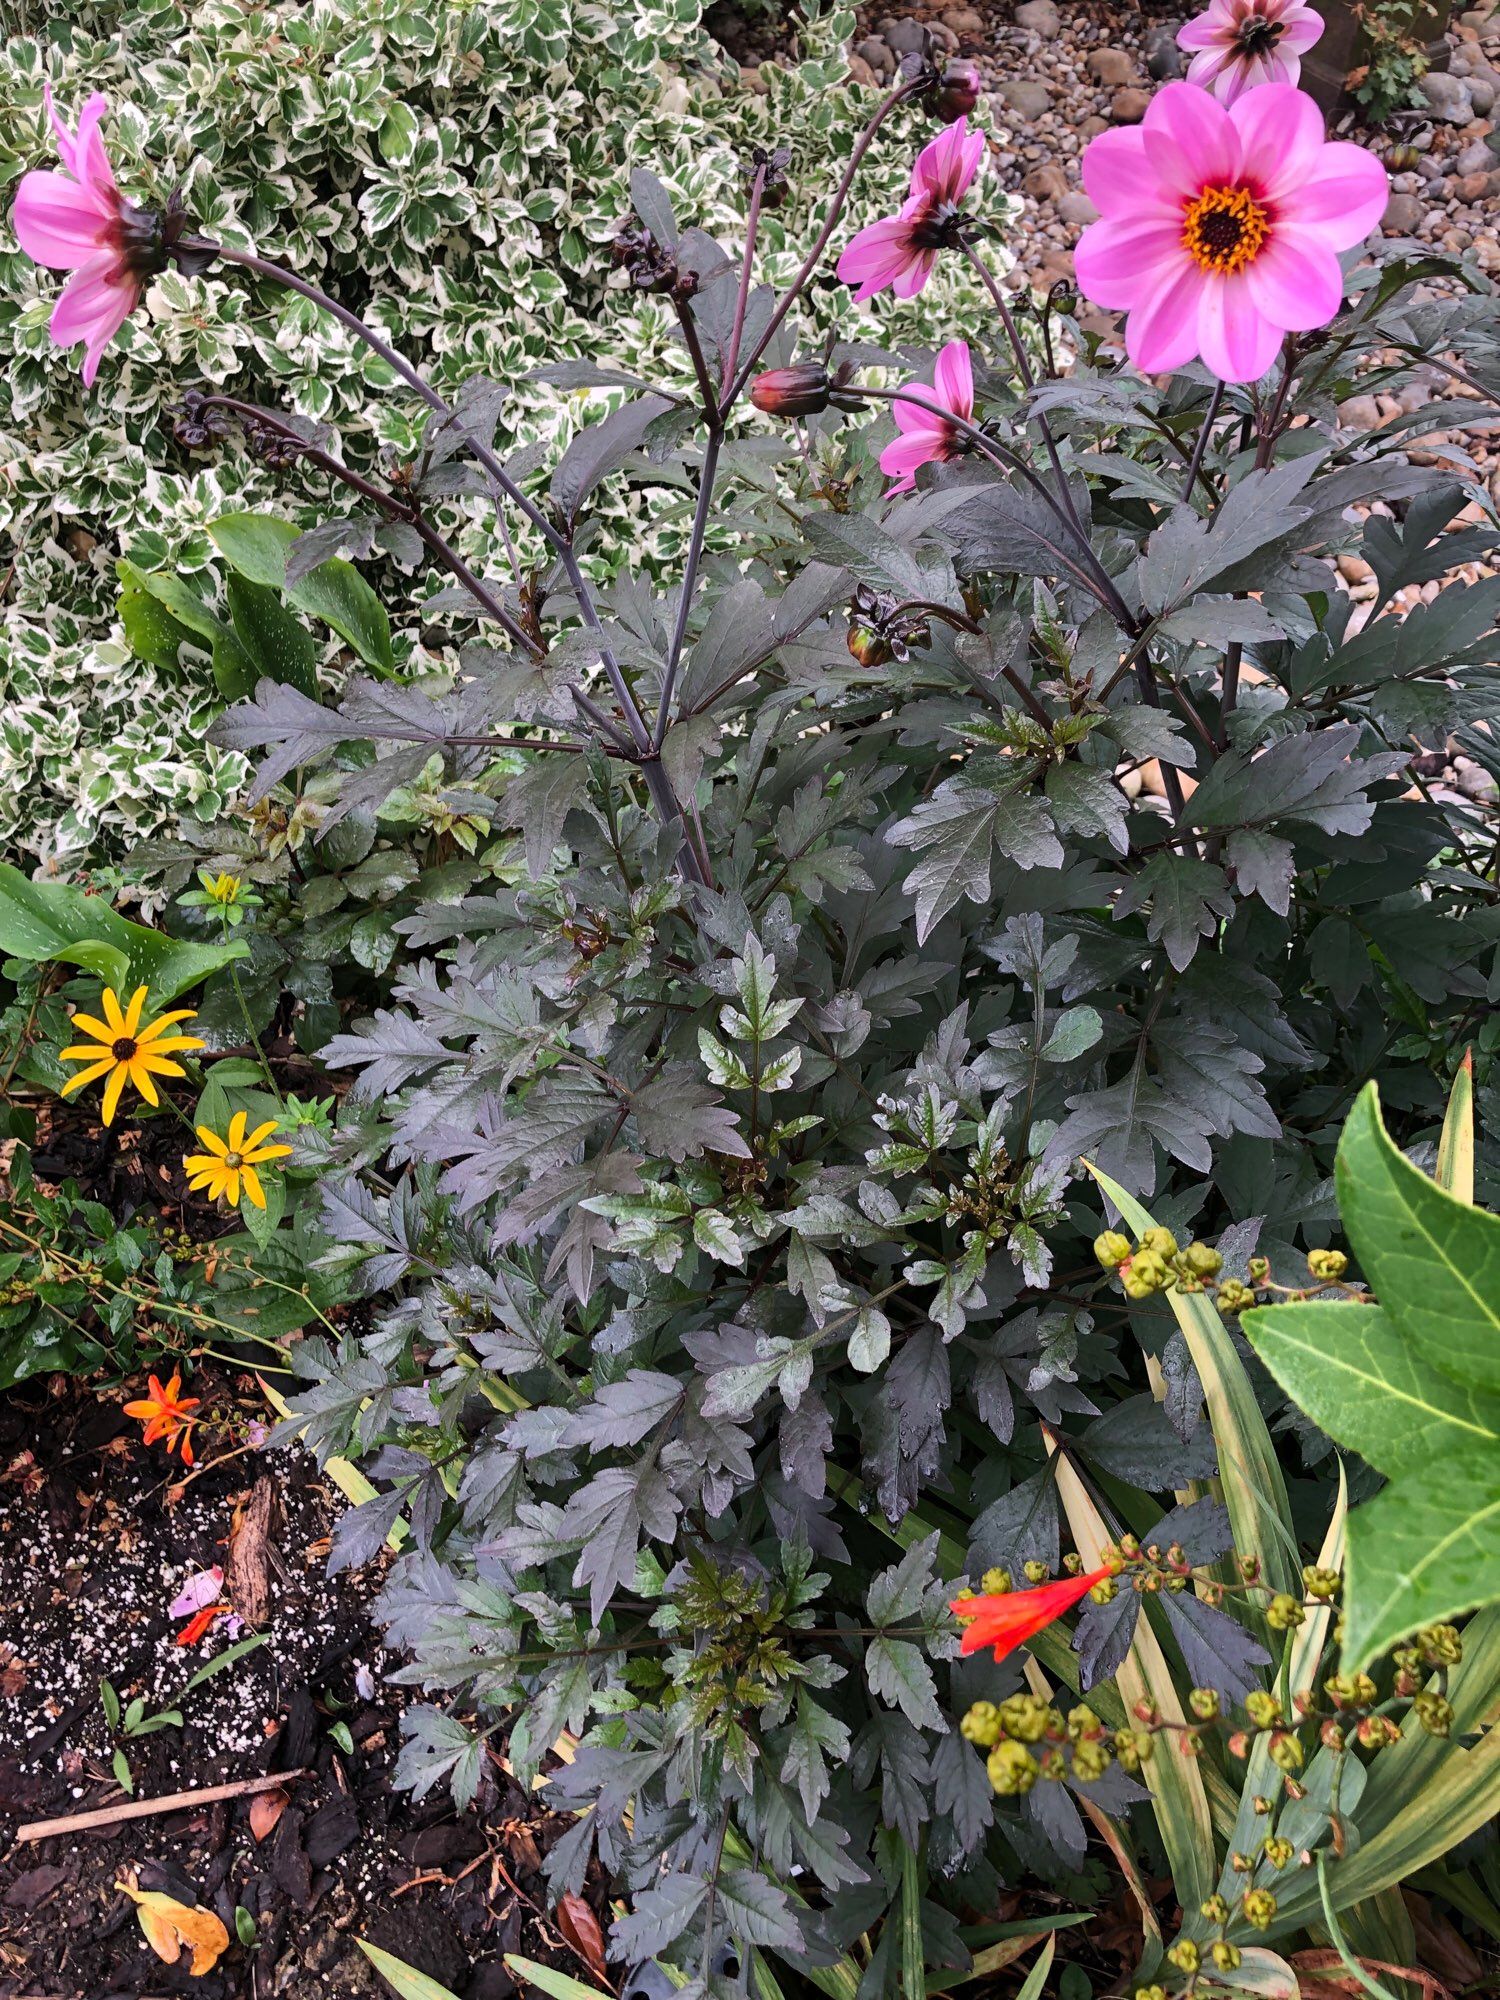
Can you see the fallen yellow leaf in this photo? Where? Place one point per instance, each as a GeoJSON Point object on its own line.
{"type": "Point", "coordinates": [168, 1925]}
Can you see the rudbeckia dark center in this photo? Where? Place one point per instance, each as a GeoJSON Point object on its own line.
{"type": "Point", "coordinates": [123, 1049]}
{"type": "Point", "coordinates": [1258, 36]}
{"type": "Point", "coordinates": [233, 1160]}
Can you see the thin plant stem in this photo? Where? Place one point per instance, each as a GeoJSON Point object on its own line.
{"type": "Point", "coordinates": [659, 785]}
{"type": "Point", "coordinates": [908, 87]}
{"type": "Point", "coordinates": [1028, 381]}
{"type": "Point", "coordinates": [394, 509]}
{"type": "Point", "coordinates": [1095, 576]}
{"type": "Point", "coordinates": [1196, 461]}
{"type": "Point", "coordinates": [689, 579]}
{"type": "Point", "coordinates": [742, 297]}
{"type": "Point", "coordinates": [239, 994]}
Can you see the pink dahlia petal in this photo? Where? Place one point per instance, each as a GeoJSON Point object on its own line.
{"type": "Point", "coordinates": [1204, 31]}
{"type": "Point", "coordinates": [1343, 195]}
{"type": "Point", "coordinates": [877, 256]}
{"type": "Point", "coordinates": [1119, 178]}
{"type": "Point", "coordinates": [112, 317]}
{"type": "Point", "coordinates": [953, 379]}
{"type": "Point", "coordinates": [1118, 263]}
{"type": "Point", "coordinates": [911, 418]}
{"type": "Point", "coordinates": [1281, 136]}
{"type": "Point", "coordinates": [914, 275]}
{"type": "Point", "coordinates": [901, 458]}
{"type": "Point", "coordinates": [1190, 140]}
{"type": "Point", "coordinates": [59, 222]}
{"type": "Point", "coordinates": [1296, 281]}
{"type": "Point", "coordinates": [1206, 69]}
{"type": "Point", "coordinates": [947, 165]}
{"type": "Point", "coordinates": [1238, 343]}
{"type": "Point", "coordinates": [1162, 332]}
{"type": "Point", "coordinates": [1303, 28]}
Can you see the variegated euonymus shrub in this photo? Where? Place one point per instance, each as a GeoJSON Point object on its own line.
{"type": "Point", "coordinates": [772, 944]}
{"type": "Point", "coordinates": [453, 171]}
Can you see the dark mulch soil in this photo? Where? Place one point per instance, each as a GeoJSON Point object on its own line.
{"type": "Point", "coordinates": [96, 1538]}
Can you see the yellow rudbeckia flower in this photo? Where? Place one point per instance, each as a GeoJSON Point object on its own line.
{"type": "Point", "coordinates": [123, 1050]}
{"type": "Point", "coordinates": [229, 1161]}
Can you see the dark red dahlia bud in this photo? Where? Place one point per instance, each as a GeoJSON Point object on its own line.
{"type": "Point", "coordinates": [775, 179]}
{"type": "Point", "coordinates": [956, 92]}
{"type": "Point", "coordinates": [793, 392]}
{"type": "Point", "coordinates": [869, 646]}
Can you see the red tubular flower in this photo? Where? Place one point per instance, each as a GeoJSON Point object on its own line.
{"type": "Point", "coordinates": [1009, 1619]}
{"type": "Point", "coordinates": [164, 1412]}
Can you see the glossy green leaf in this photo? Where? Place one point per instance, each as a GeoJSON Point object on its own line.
{"type": "Point", "coordinates": [257, 546]}
{"type": "Point", "coordinates": [45, 921]}
{"type": "Point", "coordinates": [1432, 1261]}
{"type": "Point", "coordinates": [277, 645]}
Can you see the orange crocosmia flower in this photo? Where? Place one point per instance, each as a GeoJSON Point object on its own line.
{"type": "Point", "coordinates": [200, 1622]}
{"type": "Point", "coordinates": [164, 1412]}
{"type": "Point", "coordinates": [1009, 1618]}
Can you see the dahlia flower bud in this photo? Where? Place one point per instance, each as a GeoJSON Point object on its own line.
{"type": "Point", "coordinates": [955, 93]}
{"type": "Point", "coordinates": [802, 391]}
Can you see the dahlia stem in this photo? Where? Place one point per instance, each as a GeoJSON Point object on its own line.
{"type": "Point", "coordinates": [908, 87]}
{"type": "Point", "coordinates": [394, 509]}
{"type": "Point", "coordinates": [658, 784]}
{"type": "Point", "coordinates": [1195, 463]}
{"type": "Point", "coordinates": [699, 534]}
{"type": "Point", "coordinates": [1095, 577]}
{"type": "Point", "coordinates": [1028, 382]}
{"type": "Point", "coordinates": [742, 298]}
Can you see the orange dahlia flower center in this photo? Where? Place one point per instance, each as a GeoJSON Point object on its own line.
{"type": "Point", "coordinates": [1224, 229]}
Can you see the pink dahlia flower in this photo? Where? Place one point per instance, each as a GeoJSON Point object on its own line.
{"type": "Point", "coordinates": [1219, 227]}
{"type": "Point", "coordinates": [1240, 43]}
{"type": "Point", "coordinates": [78, 221]}
{"type": "Point", "coordinates": [924, 435]}
{"type": "Point", "coordinates": [901, 250]}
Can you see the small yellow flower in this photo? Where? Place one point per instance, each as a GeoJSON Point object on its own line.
{"type": "Point", "coordinates": [124, 1051]}
{"type": "Point", "coordinates": [231, 1160]}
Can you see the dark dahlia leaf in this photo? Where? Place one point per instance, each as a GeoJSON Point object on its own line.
{"type": "Point", "coordinates": [962, 1793]}
{"type": "Point", "coordinates": [677, 1114]}
{"type": "Point", "coordinates": [435, 1746]}
{"type": "Point", "coordinates": [1200, 1526]}
{"type": "Point", "coordinates": [1103, 1636]}
{"type": "Point", "coordinates": [1313, 778]}
{"type": "Point", "coordinates": [1216, 1649]}
{"type": "Point", "coordinates": [1189, 554]}
{"type": "Point", "coordinates": [1050, 1809]}
{"type": "Point", "coordinates": [1186, 899]}
{"type": "Point", "coordinates": [1135, 1441]}
{"type": "Point", "coordinates": [657, 1918]}
{"type": "Point", "coordinates": [1018, 1528]}
{"type": "Point", "coordinates": [757, 1910]}
{"type": "Point", "coordinates": [624, 1412]}
{"type": "Point", "coordinates": [602, 449]}
{"type": "Point", "coordinates": [653, 205]}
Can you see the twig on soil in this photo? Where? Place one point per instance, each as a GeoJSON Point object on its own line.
{"type": "Point", "coordinates": [205, 1795]}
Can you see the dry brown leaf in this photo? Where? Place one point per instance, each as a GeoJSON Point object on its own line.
{"type": "Point", "coordinates": [168, 1926]}
{"type": "Point", "coordinates": [247, 1576]}
{"type": "Point", "coordinates": [265, 1809]}
{"type": "Point", "coordinates": [580, 1927]}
